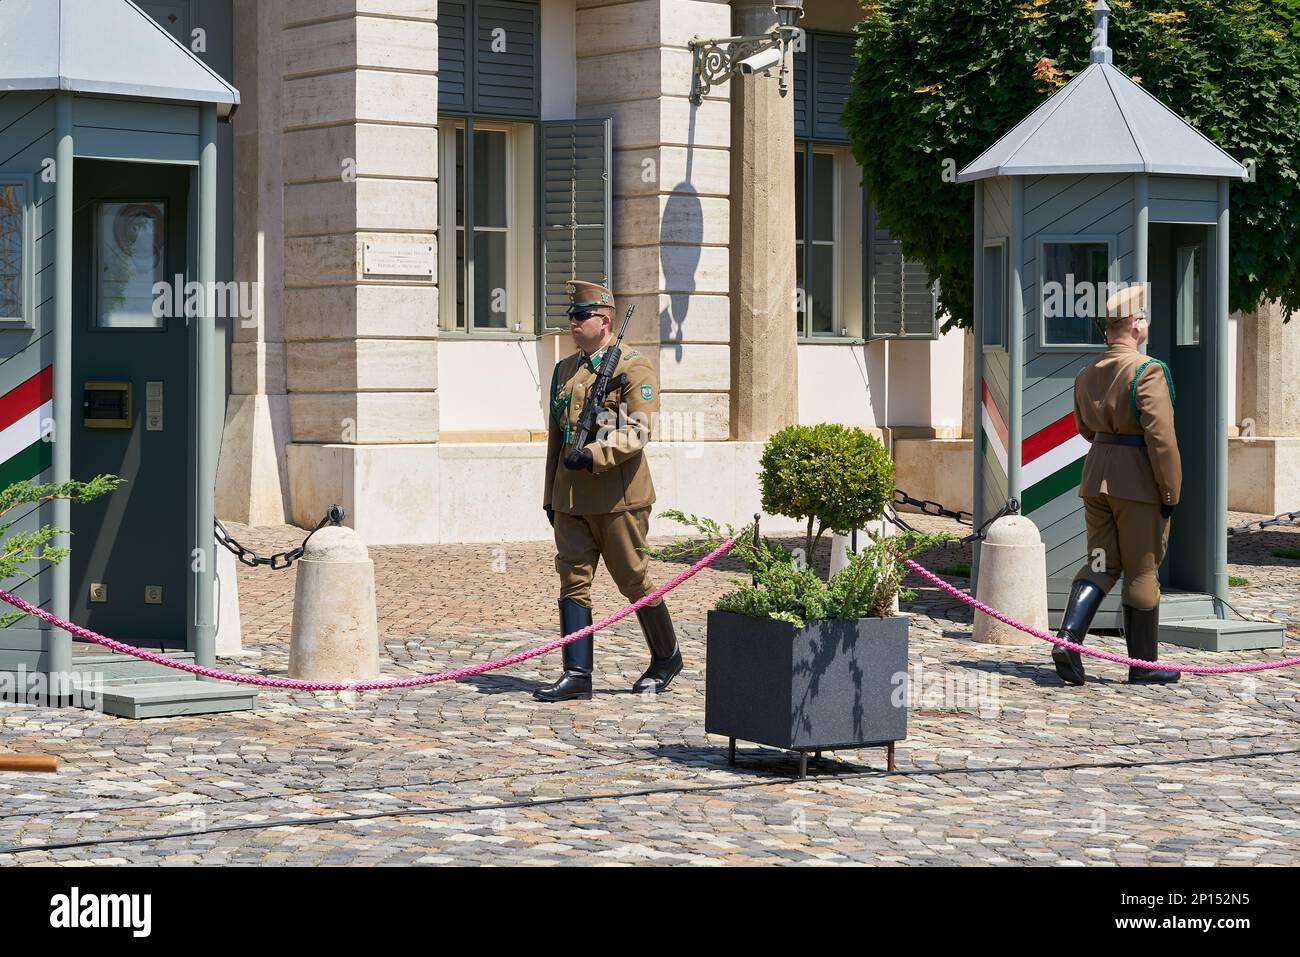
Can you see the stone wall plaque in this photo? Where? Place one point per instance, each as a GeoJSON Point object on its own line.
{"type": "Point", "coordinates": [400, 259]}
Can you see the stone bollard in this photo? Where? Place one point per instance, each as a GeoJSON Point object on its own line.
{"type": "Point", "coordinates": [1012, 579]}
{"type": "Point", "coordinates": [840, 545]}
{"type": "Point", "coordinates": [335, 631]}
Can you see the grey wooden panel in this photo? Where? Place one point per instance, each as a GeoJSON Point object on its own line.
{"type": "Point", "coordinates": [23, 353]}
{"type": "Point", "coordinates": [1054, 390]}
{"type": "Point", "coordinates": [1046, 413]}
{"type": "Point", "coordinates": [17, 106]}
{"type": "Point", "coordinates": [1184, 211]}
{"type": "Point", "coordinates": [113, 114]}
{"type": "Point", "coordinates": [95, 143]}
{"type": "Point", "coordinates": [1061, 508]}
{"type": "Point", "coordinates": [995, 377]}
{"type": "Point", "coordinates": [1046, 189]}
{"type": "Point", "coordinates": [27, 142]}
{"type": "Point", "coordinates": [1066, 557]}
{"type": "Point", "coordinates": [1183, 187]}
{"type": "Point", "coordinates": [1065, 530]}
{"type": "Point", "coordinates": [1071, 212]}
{"type": "Point", "coordinates": [994, 481]}
{"type": "Point", "coordinates": [1048, 365]}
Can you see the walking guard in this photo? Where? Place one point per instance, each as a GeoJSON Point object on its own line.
{"type": "Point", "coordinates": [598, 490]}
{"type": "Point", "coordinates": [1124, 406]}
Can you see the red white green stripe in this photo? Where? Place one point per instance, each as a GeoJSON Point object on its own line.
{"type": "Point", "coordinates": [24, 410]}
{"type": "Point", "coordinates": [1051, 460]}
{"type": "Point", "coordinates": [995, 428]}
{"type": "Point", "coordinates": [1051, 463]}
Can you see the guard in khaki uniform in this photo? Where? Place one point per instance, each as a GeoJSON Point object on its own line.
{"type": "Point", "coordinates": [1124, 406]}
{"type": "Point", "coordinates": [599, 502]}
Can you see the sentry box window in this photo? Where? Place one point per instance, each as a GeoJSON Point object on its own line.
{"type": "Point", "coordinates": [107, 405]}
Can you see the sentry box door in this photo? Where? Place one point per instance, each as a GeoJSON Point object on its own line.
{"type": "Point", "coordinates": [131, 403]}
{"type": "Point", "coordinates": [1184, 334]}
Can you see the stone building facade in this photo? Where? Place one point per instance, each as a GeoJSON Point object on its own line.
{"type": "Point", "coordinates": [394, 186]}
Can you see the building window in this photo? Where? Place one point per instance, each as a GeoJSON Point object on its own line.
{"type": "Point", "coordinates": [1074, 279]}
{"type": "Point", "coordinates": [815, 235]}
{"type": "Point", "coordinates": [130, 253]}
{"type": "Point", "coordinates": [993, 294]}
{"type": "Point", "coordinates": [1189, 295]}
{"type": "Point", "coordinates": [486, 226]}
{"type": "Point", "coordinates": [14, 255]}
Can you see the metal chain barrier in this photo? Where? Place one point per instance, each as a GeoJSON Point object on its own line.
{"type": "Point", "coordinates": [334, 515]}
{"type": "Point", "coordinates": [930, 507]}
{"type": "Point", "coordinates": [267, 681]}
{"type": "Point", "coordinates": [1282, 518]}
{"type": "Point", "coordinates": [1012, 507]}
{"type": "Point", "coordinates": [1094, 652]}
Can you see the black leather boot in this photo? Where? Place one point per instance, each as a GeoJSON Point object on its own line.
{"type": "Point", "coordinates": [577, 656]}
{"type": "Point", "coordinates": [1085, 599]}
{"type": "Point", "coordinates": [1142, 635]}
{"type": "Point", "coordinates": [665, 656]}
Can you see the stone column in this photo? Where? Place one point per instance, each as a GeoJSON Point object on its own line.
{"type": "Point", "coordinates": [671, 211]}
{"type": "Point", "coordinates": [1264, 458]}
{"type": "Point", "coordinates": [251, 474]}
{"type": "Point", "coordinates": [359, 117]}
{"type": "Point", "coordinates": [1268, 379]}
{"type": "Point", "coordinates": [764, 362]}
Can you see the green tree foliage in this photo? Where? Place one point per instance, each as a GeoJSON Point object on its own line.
{"type": "Point", "coordinates": [942, 80]}
{"type": "Point", "coordinates": [22, 548]}
{"type": "Point", "coordinates": [833, 475]}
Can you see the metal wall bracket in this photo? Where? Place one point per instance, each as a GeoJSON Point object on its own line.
{"type": "Point", "coordinates": [715, 61]}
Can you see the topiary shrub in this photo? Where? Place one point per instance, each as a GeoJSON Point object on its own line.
{"type": "Point", "coordinates": [834, 476]}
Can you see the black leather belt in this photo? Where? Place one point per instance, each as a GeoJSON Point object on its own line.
{"type": "Point", "coordinates": [1114, 438]}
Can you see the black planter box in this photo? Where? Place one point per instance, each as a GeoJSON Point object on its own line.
{"type": "Point", "coordinates": [830, 685]}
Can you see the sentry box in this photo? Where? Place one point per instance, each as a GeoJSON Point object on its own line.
{"type": "Point", "coordinates": [1105, 184]}
{"type": "Point", "coordinates": [108, 186]}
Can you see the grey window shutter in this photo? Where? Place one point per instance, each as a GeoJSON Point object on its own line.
{"type": "Point", "coordinates": [574, 194]}
{"type": "Point", "coordinates": [900, 294]}
{"type": "Point", "coordinates": [453, 65]}
{"type": "Point", "coordinates": [832, 69]}
{"type": "Point", "coordinates": [799, 81]}
{"type": "Point", "coordinates": [507, 57]}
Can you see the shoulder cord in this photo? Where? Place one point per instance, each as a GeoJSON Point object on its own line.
{"type": "Point", "coordinates": [1133, 386]}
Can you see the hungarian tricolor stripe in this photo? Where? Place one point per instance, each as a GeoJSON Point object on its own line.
{"type": "Point", "coordinates": [995, 428]}
{"type": "Point", "coordinates": [24, 454]}
{"type": "Point", "coordinates": [1051, 463]}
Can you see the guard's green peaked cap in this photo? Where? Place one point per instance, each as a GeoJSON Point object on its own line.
{"type": "Point", "coordinates": [583, 294]}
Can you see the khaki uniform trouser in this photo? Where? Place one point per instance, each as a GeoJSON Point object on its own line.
{"type": "Point", "coordinates": [581, 540]}
{"type": "Point", "coordinates": [1128, 538]}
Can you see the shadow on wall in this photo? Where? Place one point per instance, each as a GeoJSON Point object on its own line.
{"type": "Point", "coordinates": [681, 232]}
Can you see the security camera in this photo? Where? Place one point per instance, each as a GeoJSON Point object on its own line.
{"type": "Point", "coordinates": [764, 60]}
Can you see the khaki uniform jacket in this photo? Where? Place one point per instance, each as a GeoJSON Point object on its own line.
{"type": "Point", "coordinates": [1101, 404]}
{"type": "Point", "coordinates": [619, 479]}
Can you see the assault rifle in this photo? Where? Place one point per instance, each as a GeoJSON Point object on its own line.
{"type": "Point", "coordinates": [595, 401]}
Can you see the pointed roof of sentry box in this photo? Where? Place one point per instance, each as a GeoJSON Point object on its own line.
{"type": "Point", "coordinates": [108, 47]}
{"type": "Point", "coordinates": [1102, 122]}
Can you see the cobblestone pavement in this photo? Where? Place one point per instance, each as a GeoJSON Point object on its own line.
{"type": "Point", "coordinates": [1002, 764]}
